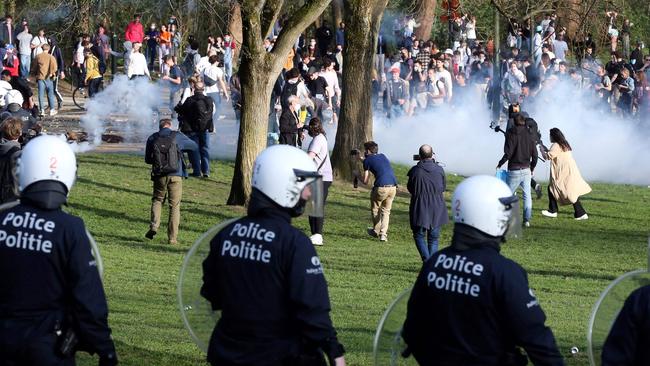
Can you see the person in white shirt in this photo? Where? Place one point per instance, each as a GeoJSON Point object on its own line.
{"type": "Point", "coordinates": [138, 63]}
{"type": "Point", "coordinates": [333, 89]}
{"type": "Point", "coordinates": [470, 29]}
{"type": "Point", "coordinates": [38, 42]}
{"type": "Point", "coordinates": [204, 62]}
{"type": "Point", "coordinates": [214, 83]}
{"type": "Point", "coordinates": [444, 75]}
{"type": "Point", "coordinates": [411, 24]}
{"type": "Point", "coordinates": [25, 51]}
{"type": "Point", "coordinates": [511, 84]}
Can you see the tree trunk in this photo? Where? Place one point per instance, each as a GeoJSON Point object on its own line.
{"type": "Point", "coordinates": [235, 28]}
{"type": "Point", "coordinates": [569, 15]}
{"type": "Point", "coordinates": [258, 71]}
{"type": "Point", "coordinates": [426, 17]}
{"type": "Point", "coordinates": [362, 21]}
{"type": "Point", "coordinates": [256, 87]}
{"type": "Point", "coordinates": [84, 15]}
{"type": "Point", "coordinates": [337, 12]}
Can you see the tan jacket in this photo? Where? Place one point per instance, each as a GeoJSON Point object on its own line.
{"type": "Point", "coordinates": [566, 182]}
{"type": "Point", "coordinates": [44, 66]}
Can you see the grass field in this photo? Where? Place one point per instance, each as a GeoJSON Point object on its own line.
{"type": "Point", "coordinates": [569, 263]}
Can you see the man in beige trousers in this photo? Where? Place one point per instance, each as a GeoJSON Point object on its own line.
{"type": "Point", "coordinates": [383, 191]}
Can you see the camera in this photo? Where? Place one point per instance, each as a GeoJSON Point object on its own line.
{"type": "Point", "coordinates": [416, 157]}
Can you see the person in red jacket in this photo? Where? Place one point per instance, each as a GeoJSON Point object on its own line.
{"type": "Point", "coordinates": [134, 31]}
{"type": "Point", "coordinates": [11, 61]}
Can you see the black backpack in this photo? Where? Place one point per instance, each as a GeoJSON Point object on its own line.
{"type": "Point", "coordinates": [165, 155]}
{"type": "Point", "coordinates": [8, 190]}
{"type": "Point", "coordinates": [204, 115]}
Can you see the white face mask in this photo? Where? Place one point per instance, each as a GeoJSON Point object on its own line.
{"type": "Point", "coordinates": [293, 81]}
{"type": "Point", "coordinates": [297, 107]}
{"type": "Point", "coordinates": [227, 39]}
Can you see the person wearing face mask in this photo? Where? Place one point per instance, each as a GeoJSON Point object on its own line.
{"type": "Point", "coordinates": [228, 54]}
{"type": "Point", "coordinates": [151, 37]}
{"type": "Point", "coordinates": [290, 125]}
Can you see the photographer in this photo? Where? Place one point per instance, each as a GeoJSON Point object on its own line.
{"type": "Point", "coordinates": [383, 192]}
{"type": "Point", "coordinates": [427, 209]}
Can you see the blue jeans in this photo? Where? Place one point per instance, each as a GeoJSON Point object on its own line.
{"type": "Point", "coordinates": [216, 98]}
{"type": "Point", "coordinates": [521, 178]}
{"type": "Point", "coordinates": [203, 140]}
{"type": "Point", "coordinates": [25, 64]}
{"type": "Point", "coordinates": [195, 160]}
{"type": "Point", "coordinates": [430, 246]}
{"type": "Point", "coordinates": [43, 86]}
{"type": "Point", "coordinates": [227, 65]}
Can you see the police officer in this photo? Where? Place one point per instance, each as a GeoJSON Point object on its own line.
{"type": "Point", "coordinates": [51, 293]}
{"type": "Point", "coordinates": [470, 305]}
{"type": "Point", "coordinates": [629, 337]}
{"type": "Point", "coordinates": [265, 276]}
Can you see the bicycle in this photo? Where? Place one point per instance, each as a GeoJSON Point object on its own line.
{"type": "Point", "coordinates": [80, 95]}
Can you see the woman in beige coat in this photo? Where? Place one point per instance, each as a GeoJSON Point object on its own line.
{"type": "Point", "coordinates": [566, 184]}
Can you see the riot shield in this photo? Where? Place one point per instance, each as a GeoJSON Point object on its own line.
{"type": "Point", "coordinates": [606, 310]}
{"type": "Point", "coordinates": [196, 312]}
{"type": "Point", "coordinates": [388, 346]}
{"type": "Point", "coordinates": [94, 248]}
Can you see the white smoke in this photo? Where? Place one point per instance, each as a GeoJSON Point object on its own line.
{"type": "Point", "coordinates": [129, 107]}
{"type": "Point", "coordinates": [606, 148]}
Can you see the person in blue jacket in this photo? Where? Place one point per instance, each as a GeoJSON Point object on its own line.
{"type": "Point", "coordinates": [265, 276]}
{"type": "Point", "coordinates": [471, 305]}
{"type": "Point", "coordinates": [628, 340]}
{"type": "Point", "coordinates": [166, 184]}
{"type": "Point", "coordinates": [427, 209]}
{"type": "Point", "coordinates": [51, 292]}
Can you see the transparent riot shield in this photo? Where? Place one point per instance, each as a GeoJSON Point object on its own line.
{"type": "Point", "coordinates": [388, 346]}
{"type": "Point", "coordinates": [196, 312]}
{"type": "Point", "coordinates": [608, 306]}
{"type": "Point", "coordinates": [94, 248]}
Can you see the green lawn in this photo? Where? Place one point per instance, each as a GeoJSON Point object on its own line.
{"type": "Point", "coordinates": [569, 263]}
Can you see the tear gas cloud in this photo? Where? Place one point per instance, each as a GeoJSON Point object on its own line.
{"type": "Point", "coordinates": [607, 148]}
{"type": "Point", "coordinates": [128, 106]}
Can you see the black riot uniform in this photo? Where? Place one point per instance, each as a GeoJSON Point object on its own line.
{"type": "Point", "coordinates": [472, 306]}
{"type": "Point", "coordinates": [267, 279]}
{"type": "Point", "coordinates": [628, 340]}
{"type": "Point", "coordinates": [50, 283]}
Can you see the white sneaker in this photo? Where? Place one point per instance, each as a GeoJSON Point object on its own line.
{"type": "Point", "coordinates": [316, 239]}
{"type": "Point", "coordinates": [383, 237]}
{"type": "Point", "coordinates": [526, 223]}
{"type": "Point", "coordinates": [53, 112]}
{"type": "Point", "coordinates": [549, 214]}
{"type": "Point", "coordinates": [583, 217]}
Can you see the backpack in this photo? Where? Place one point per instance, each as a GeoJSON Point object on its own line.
{"type": "Point", "coordinates": [208, 81]}
{"type": "Point", "coordinates": [7, 177]}
{"type": "Point", "coordinates": [204, 115]}
{"type": "Point", "coordinates": [165, 155]}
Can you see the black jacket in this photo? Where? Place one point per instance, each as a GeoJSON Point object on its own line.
{"type": "Point", "coordinates": [266, 278]}
{"type": "Point", "coordinates": [196, 112]}
{"type": "Point", "coordinates": [288, 128]}
{"type": "Point", "coordinates": [472, 306]}
{"type": "Point", "coordinates": [22, 86]}
{"type": "Point", "coordinates": [50, 276]}
{"type": "Point", "coordinates": [628, 340]}
{"type": "Point", "coordinates": [519, 149]}
{"type": "Point", "coordinates": [427, 185]}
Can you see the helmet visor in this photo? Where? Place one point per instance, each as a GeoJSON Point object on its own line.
{"type": "Point", "coordinates": [312, 194]}
{"type": "Point", "coordinates": [513, 225]}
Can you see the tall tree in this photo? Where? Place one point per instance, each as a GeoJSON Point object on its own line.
{"type": "Point", "coordinates": [10, 7]}
{"type": "Point", "coordinates": [235, 27]}
{"type": "Point", "coordinates": [362, 21]}
{"type": "Point", "coordinates": [258, 72]}
{"type": "Point", "coordinates": [426, 13]}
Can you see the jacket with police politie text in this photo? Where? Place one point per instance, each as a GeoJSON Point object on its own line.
{"type": "Point", "coordinates": [267, 279]}
{"type": "Point", "coordinates": [472, 306]}
{"type": "Point", "coordinates": [50, 279]}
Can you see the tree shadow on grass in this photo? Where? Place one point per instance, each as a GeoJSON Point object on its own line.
{"type": "Point", "coordinates": [110, 163]}
{"type": "Point", "coordinates": [110, 186]}
{"type": "Point", "coordinates": [108, 213]}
